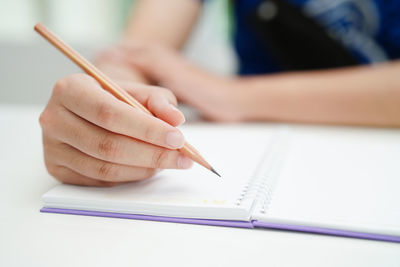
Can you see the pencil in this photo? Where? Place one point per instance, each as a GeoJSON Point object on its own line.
{"type": "Point", "coordinates": [112, 87]}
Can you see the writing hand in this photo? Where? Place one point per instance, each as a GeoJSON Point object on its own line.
{"type": "Point", "coordinates": [92, 138]}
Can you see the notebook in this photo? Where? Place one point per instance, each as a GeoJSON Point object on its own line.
{"type": "Point", "coordinates": [328, 180]}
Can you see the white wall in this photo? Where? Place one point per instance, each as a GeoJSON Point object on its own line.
{"type": "Point", "coordinates": [29, 66]}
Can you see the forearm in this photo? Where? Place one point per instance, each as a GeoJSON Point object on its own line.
{"type": "Point", "coordinates": [361, 96]}
{"type": "Point", "coordinates": [153, 22]}
{"type": "Point", "coordinates": [165, 23]}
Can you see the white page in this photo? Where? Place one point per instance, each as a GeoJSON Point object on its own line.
{"type": "Point", "coordinates": [233, 150]}
{"type": "Point", "coordinates": [343, 178]}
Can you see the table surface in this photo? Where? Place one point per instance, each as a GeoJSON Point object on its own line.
{"type": "Point", "coordinates": [31, 238]}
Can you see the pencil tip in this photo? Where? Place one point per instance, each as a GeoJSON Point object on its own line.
{"type": "Point", "coordinates": [214, 171]}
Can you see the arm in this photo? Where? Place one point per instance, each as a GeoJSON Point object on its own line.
{"type": "Point", "coordinates": [364, 95]}
{"type": "Point", "coordinates": [368, 95]}
{"type": "Point", "coordinates": [165, 23]}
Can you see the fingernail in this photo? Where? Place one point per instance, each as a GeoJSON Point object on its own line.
{"type": "Point", "coordinates": [174, 139]}
{"type": "Point", "coordinates": [184, 162]}
{"type": "Point", "coordinates": [176, 109]}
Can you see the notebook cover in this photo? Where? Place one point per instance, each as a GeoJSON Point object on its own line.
{"type": "Point", "coordinates": [241, 224]}
{"type": "Point", "coordinates": [326, 231]}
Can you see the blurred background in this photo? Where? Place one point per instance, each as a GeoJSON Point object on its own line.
{"type": "Point", "coordinates": [29, 66]}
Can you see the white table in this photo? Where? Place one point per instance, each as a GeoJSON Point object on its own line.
{"type": "Point", "coordinates": [31, 238]}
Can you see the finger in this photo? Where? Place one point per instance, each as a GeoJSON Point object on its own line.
{"type": "Point", "coordinates": [165, 110]}
{"type": "Point", "coordinates": [102, 144]}
{"type": "Point", "coordinates": [160, 101]}
{"type": "Point", "coordinates": [91, 167]}
{"type": "Point", "coordinates": [68, 176]}
{"type": "Point", "coordinates": [142, 92]}
{"type": "Point", "coordinates": [83, 96]}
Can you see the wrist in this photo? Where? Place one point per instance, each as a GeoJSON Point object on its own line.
{"type": "Point", "coordinates": [260, 98]}
{"type": "Point", "coordinates": [244, 99]}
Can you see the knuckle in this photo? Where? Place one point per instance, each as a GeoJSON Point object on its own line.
{"type": "Point", "coordinates": [149, 134]}
{"type": "Point", "coordinates": [45, 119]}
{"type": "Point", "coordinates": [108, 147]}
{"type": "Point", "coordinates": [107, 171]}
{"type": "Point", "coordinates": [151, 100]}
{"type": "Point", "coordinates": [60, 86]}
{"type": "Point", "coordinates": [105, 113]}
{"type": "Point", "coordinates": [66, 84]}
{"type": "Point", "coordinates": [158, 158]}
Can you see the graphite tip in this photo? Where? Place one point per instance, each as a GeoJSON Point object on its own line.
{"type": "Point", "coordinates": [214, 171]}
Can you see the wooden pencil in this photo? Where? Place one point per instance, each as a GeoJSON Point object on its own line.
{"type": "Point", "coordinates": [111, 86]}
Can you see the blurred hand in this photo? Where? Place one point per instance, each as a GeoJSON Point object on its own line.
{"type": "Point", "coordinates": [216, 98]}
{"type": "Point", "coordinates": [92, 138]}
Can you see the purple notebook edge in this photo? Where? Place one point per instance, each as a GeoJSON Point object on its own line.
{"type": "Point", "coordinates": [241, 224]}
{"type": "Point", "coordinates": [327, 231]}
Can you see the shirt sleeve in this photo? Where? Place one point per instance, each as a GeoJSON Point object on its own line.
{"type": "Point", "coordinates": [389, 32]}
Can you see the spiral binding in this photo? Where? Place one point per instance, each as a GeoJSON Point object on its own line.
{"type": "Point", "coordinates": [260, 186]}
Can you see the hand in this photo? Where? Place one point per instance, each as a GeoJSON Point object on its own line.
{"type": "Point", "coordinates": [92, 138]}
{"type": "Point", "coordinates": [113, 61]}
{"type": "Point", "coordinates": [216, 98]}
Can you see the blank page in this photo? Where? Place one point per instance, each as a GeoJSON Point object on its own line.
{"type": "Point", "coordinates": [343, 178]}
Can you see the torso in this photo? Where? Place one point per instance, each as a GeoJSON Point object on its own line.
{"type": "Point", "coordinates": [368, 29]}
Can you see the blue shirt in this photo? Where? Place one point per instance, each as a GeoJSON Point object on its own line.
{"type": "Point", "coordinates": [368, 29]}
